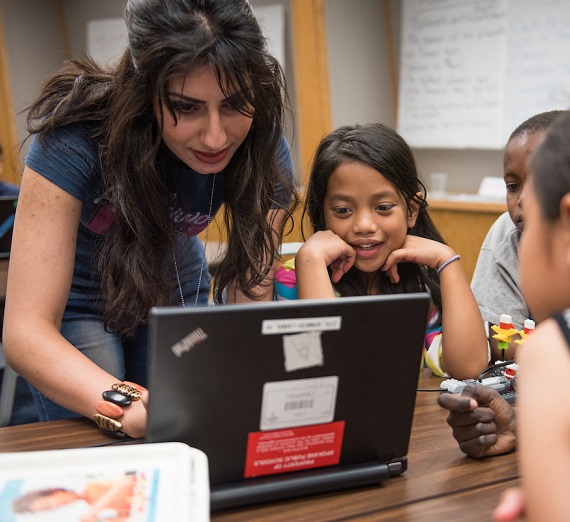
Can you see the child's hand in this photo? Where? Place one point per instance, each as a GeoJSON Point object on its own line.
{"type": "Point", "coordinates": [419, 250]}
{"type": "Point", "coordinates": [512, 506]}
{"type": "Point", "coordinates": [483, 422]}
{"type": "Point", "coordinates": [326, 247]}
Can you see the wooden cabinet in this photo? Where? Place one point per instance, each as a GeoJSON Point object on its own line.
{"type": "Point", "coordinates": [464, 225]}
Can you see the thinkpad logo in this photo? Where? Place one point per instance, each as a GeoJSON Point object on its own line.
{"type": "Point", "coordinates": [192, 339]}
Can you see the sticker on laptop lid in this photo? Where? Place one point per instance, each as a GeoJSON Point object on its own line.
{"type": "Point", "coordinates": [303, 324]}
{"type": "Point", "coordinates": [302, 350]}
{"type": "Point", "coordinates": [281, 451]}
{"type": "Point", "coordinates": [299, 402]}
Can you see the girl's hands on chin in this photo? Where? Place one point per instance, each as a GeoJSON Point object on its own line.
{"type": "Point", "coordinates": [326, 247]}
{"type": "Point", "coordinates": [418, 250]}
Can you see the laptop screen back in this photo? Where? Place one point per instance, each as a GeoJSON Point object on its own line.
{"type": "Point", "coordinates": [228, 379]}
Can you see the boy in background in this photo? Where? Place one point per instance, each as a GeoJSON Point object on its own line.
{"type": "Point", "coordinates": [495, 282]}
{"type": "Point", "coordinates": [483, 422]}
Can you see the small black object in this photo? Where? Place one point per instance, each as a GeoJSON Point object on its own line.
{"type": "Point", "coordinates": [117, 398]}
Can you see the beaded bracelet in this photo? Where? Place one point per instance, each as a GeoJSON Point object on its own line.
{"type": "Point", "coordinates": [450, 260]}
{"type": "Point", "coordinates": [121, 395]}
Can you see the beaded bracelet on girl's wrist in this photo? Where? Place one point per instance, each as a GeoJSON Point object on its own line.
{"type": "Point", "coordinates": [121, 395]}
{"type": "Point", "coordinates": [449, 261]}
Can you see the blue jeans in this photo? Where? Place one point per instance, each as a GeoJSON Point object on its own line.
{"type": "Point", "coordinates": [126, 359]}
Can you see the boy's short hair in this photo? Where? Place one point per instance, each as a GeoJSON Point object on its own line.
{"type": "Point", "coordinates": [536, 123]}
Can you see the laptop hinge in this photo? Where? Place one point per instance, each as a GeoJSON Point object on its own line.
{"type": "Point", "coordinates": [397, 467]}
{"type": "Point", "coordinates": [291, 485]}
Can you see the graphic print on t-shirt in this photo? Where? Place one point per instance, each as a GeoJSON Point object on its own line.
{"type": "Point", "coordinates": [189, 223]}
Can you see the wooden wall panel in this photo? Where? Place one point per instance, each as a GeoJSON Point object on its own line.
{"type": "Point", "coordinates": [464, 226]}
{"type": "Point", "coordinates": [8, 134]}
{"type": "Point", "coordinates": [313, 111]}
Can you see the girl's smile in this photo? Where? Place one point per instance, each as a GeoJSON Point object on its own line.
{"type": "Point", "coordinates": [366, 249]}
{"type": "Point", "coordinates": [367, 212]}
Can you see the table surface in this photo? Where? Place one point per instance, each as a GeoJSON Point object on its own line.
{"type": "Point", "coordinates": [439, 484]}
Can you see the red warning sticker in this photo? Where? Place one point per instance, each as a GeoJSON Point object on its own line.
{"type": "Point", "coordinates": [280, 451]}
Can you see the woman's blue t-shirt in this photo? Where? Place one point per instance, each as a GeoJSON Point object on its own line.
{"type": "Point", "coordinates": [70, 159]}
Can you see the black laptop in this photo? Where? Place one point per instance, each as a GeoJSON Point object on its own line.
{"type": "Point", "coordinates": [7, 214]}
{"type": "Point", "coordinates": [288, 398]}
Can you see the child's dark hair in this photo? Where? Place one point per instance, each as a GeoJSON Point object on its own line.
{"type": "Point", "coordinates": [383, 149]}
{"type": "Point", "coordinates": [550, 165]}
{"type": "Point", "coordinates": [537, 123]}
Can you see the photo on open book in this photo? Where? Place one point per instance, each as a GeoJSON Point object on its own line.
{"type": "Point", "coordinates": [133, 483]}
{"type": "Point", "coordinates": [116, 496]}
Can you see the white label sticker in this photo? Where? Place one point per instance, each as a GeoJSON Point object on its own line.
{"type": "Point", "coordinates": [302, 350]}
{"type": "Point", "coordinates": [305, 324]}
{"type": "Point", "coordinates": [301, 402]}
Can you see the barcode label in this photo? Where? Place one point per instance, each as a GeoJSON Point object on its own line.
{"type": "Point", "coordinates": [299, 405]}
{"type": "Point", "coordinates": [298, 402]}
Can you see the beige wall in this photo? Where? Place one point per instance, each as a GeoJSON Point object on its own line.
{"type": "Point", "coordinates": [361, 79]}
{"type": "Point", "coordinates": [33, 48]}
{"type": "Point", "coordinates": [359, 68]}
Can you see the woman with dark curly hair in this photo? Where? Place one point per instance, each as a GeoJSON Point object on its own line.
{"type": "Point", "coordinates": [127, 164]}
